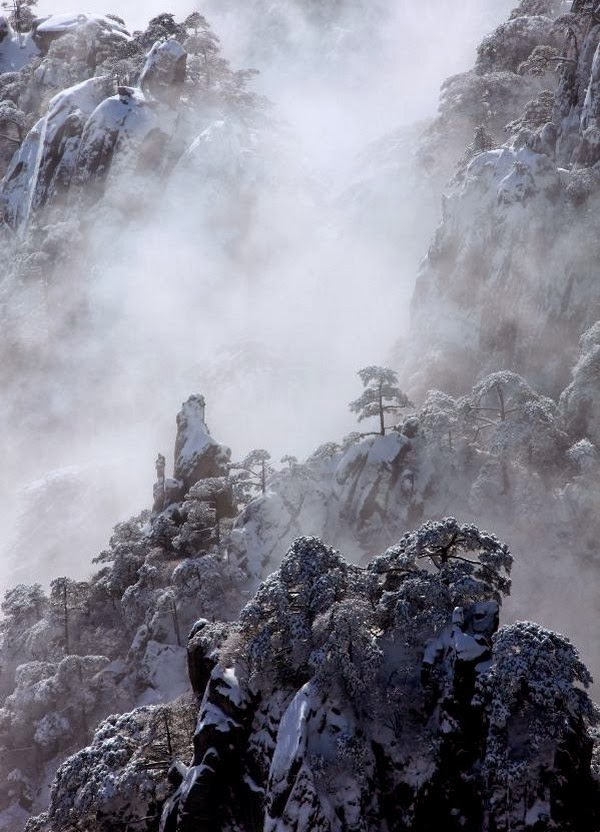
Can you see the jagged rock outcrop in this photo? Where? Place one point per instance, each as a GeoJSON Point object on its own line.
{"type": "Point", "coordinates": [511, 271]}
{"type": "Point", "coordinates": [197, 455]}
{"type": "Point", "coordinates": [317, 702]}
{"type": "Point", "coordinates": [90, 136]}
{"type": "Point", "coordinates": [84, 141]}
{"type": "Point", "coordinates": [42, 169]}
{"type": "Point", "coordinates": [316, 714]}
{"type": "Point", "coordinates": [115, 642]}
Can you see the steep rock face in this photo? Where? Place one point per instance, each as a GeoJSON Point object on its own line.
{"type": "Point", "coordinates": [484, 292]}
{"type": "Point", "coordinates": [91, 136]}
{"type": "Point", "coordinates": [511, 271]}
{"type": "Point", "coordinates": [44, 165]}
{"type": "Point", "coordinates": [316, 715]}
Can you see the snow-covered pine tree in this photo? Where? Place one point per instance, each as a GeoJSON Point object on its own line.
{"type": "Point", "coordinates": [380, 396]}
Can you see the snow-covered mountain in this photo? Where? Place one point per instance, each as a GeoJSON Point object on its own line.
{"type": "Point", "coordinates": [284, 694]}
{"type": "Point", "coordinates": [227, 668]}
{"type": "Point", "coordinates": [510, 281]}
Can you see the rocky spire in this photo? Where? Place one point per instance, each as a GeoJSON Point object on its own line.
{"type": "Point", "coordinates": [197, 455]}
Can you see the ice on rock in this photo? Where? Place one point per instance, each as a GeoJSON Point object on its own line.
{"type": "Point", "coordinates": [19, 184]}
{"type": "Point", "coordinates": [291, 734]}
{"type": "Point", "coordinates": [309, 738]}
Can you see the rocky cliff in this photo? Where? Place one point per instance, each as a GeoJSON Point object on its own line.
{"type": "Point", "coordinates": [382, 697]}
{"type": "Point", "coordinates": [320, 692]}
{"type": "Point", "coordinates": [511, 275]}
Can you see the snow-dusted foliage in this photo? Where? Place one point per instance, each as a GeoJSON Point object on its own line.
{"type": "Point", "coordinates": [498, 452]}
{"type": "Point", "coordinates": [515, 64]}
{"type": "Point", "coordinates": [511, 270]}
{"type": "Point", "coordinates": [121, 777]}
{"type": "Point", "coordinates": [346, 659]}
{"type": "Point", "coordinates": [251, 474]}
{"type": "Point", "coordinates": [103, 107]}
{"type": "Point", "coordinates": [359, 695]}
{"type": "Point", "coordinates": [90, 648]}
{"type": "Point", "coordinates": [534, 695]}
{"type": "Point", "coordinates": [380, 396]}
{"type": "Point", "coordinates": [375, 698]}
{"type": "Point", "coordinates": [472, 565]}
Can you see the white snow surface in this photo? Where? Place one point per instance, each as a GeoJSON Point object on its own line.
{"type": "Point", "coordinates": [62, 23]}
{"type": "Point", "coordinates": [331, 498]}
{"type": "Point", "coordinates": [15, 52]}
{"type": "Point", "coordinates": [197, 436]}
{"type": "Point", "coordinates": [231, 686]}
{"type": "Point", "coordinates": [165, 668]}
{"type": "Point", "coordinates": [290, 735]}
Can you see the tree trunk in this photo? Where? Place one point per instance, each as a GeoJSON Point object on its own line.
{"type": "Point", "coordinates": [66, 618]}
{"type": "Point", "coordinates": [501, 401]}
{"type": "Point", "coordinates": [168, 734]}
{"type": "Point", "coordinates": [176, 623]}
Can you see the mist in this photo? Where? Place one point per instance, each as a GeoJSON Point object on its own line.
{"type": "Point", "coordinates": [269, 307]}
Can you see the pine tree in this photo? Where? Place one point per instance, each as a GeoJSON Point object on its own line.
{"type": "Point", "coordinates": [68, 599]}
{"type": "Point", "coordinates": [21, 15]}
{"type": "Point", "coordinates": [252, 474]}
{"type": "Point", "coordinates": [380, 396]}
